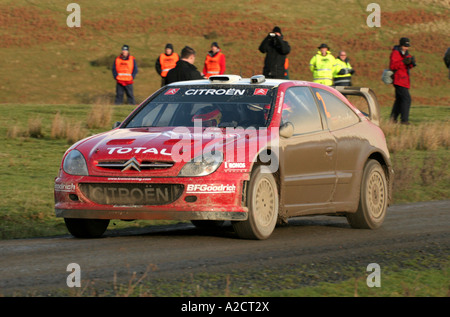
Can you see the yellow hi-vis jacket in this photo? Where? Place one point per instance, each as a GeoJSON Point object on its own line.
{"type": "Point", "coordinates": [322, 68]}
{"type": "Point", "coordinates": [345, 78]}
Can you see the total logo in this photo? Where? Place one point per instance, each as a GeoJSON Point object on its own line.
{"type": "Point", "coordinates": [136, 150]}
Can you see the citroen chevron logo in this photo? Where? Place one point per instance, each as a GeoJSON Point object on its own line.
{"type": "Point", "coordinates": [132, 163]}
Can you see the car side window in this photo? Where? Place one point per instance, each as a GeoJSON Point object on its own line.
{"type": "Point", "coordinates": [338, 114]}
{"type": "Point", "coordinates": [299, 108]}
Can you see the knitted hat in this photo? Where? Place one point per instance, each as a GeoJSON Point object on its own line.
{"type": "Point", "coordinates": [125, 47]}
{"type": "Point", "coordinates": [276, 30]}
{"type": "Point", "coordinates": [168, 45]}
{"type": "Point", "coordinates": [215, 44]}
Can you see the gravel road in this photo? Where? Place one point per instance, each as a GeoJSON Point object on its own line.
{"type": "Point", "coordinates": [322, 246]}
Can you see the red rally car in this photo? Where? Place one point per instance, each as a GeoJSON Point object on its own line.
{"type": "Point", "coordinates": [253, 151]}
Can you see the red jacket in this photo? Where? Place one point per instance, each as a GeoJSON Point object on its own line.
{"type": "Point", "coordinates": [401, 71]}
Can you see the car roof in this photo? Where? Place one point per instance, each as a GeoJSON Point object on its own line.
{"type": "Point", "coordinates": [233, 80]}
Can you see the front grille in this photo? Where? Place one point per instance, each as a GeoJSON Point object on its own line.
{"type": "Point", "coordinates": [124, 164]}
{"type": "Point", "coordinates": [130, 194]}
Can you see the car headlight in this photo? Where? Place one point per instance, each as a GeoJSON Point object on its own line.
{"type": "Point", "coordinates": [201, 166]}
{"type": "Point", "coordinates": [75, 164]}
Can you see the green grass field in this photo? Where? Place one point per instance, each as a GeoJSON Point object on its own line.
{"type": "Point", "coordinates": [50, 69]}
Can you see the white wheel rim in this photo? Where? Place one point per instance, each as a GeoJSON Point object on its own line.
{"type": "Point", "coordinates": [376, 195]}
{"type": "Point", "coordinates": [264, 203]}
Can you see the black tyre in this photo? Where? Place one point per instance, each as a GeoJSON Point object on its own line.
{"type": "Point", "coordinates": [86, 228]}
{"type": "Point", "coordinates": [373, 200]}
{"type": "Point", "coordinates": [262, 197]}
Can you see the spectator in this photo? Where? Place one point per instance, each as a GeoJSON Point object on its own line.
{"type": "Point", "coordinates": [447, 60]}
{"type": "Point", "coordinates": [343, 71]}
{"type": "Point", "coordinates": [124, 71]}
{"type": "Point", "coordinates": [184, 69]}
{"type": "Point", "coordinates": [276, 50]}
{"type": "Point", "coordinates": [165, 62]}
{"type": "Point", "coordinates": [214, 61]}
{"type": "Point", "coordinates": [401, 62]}
{"type": "Point", "coordinates": [322, 65]}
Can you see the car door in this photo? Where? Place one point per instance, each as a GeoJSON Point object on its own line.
{"type": "Point", "coordinates": [307, 157]}
{"type": "Point", "coordinates": [351, 148]}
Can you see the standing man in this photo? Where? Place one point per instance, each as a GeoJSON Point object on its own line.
{"type": "Point", "coordinates": [276, 50]}
{"type": "Point", "coordinates": [343, 71]}
{"type": "Point", "coordinates": [447, 60]}
{"type": "Point", "coordinates": [401, 62]}
{"type": "Point", "coordinates": [124, 71]}
{"type": "Point", "coordinates": [165, 62]}
{"type": "Point", "coordinates": [214, 61]}
{"type": "Point", "coordinates": [322, 65]}
{"type": "Point", "coordinates": [185, 69]}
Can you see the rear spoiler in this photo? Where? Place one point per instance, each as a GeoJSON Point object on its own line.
{"type": "Point", "coordinates": [369, 95]}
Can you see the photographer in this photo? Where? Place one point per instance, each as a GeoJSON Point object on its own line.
{"type": "Point", "coordinates": [276, 50]}
{"type": "Point", "coordinates": [401, 62]}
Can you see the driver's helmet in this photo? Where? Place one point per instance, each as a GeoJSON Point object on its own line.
{"type": "Point", "coordinates": [210, 116]}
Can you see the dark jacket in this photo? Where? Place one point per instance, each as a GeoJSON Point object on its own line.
{"type": "Point", "coordinates": [276, 50]}
{"type": "Point", "coordinates": [183, 71]}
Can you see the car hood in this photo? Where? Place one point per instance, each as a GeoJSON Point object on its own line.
{"type": "Point", "coordinates": [163, 151]}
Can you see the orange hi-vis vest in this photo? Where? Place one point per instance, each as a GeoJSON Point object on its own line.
{"type": "Point", "coordinates": [168, 62]}
{"type": "Point", "coordinates": [124, 68]}
{"type": "Point", "coordinates": [212, 64]}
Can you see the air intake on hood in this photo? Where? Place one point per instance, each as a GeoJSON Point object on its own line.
{"type": "Point", "coordinates": [224, 79]}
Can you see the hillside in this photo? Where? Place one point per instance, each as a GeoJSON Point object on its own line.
{"type": "Point", "coordinates": [46, 62]}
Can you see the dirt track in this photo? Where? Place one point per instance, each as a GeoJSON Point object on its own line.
{"type": "Point", "coordinates": [38, 266]}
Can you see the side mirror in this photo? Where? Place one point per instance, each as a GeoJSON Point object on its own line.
{"type": "Point", "coordinates": [116, 124]}
{"type": "Point", "coordinates": [287, 130]}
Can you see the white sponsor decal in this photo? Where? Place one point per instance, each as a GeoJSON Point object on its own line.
{"type": "Point", "coordinates": [210, 189]}
{"type": "Point", "coordinates": [136, 150]}
{"type": "Point", "coordinates": [64, 187]}
{"type": "Point", "coordinates": [234, 167]}
{"type": "Point", "coordinates": [215, 92]}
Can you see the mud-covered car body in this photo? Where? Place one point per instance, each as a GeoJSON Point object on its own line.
{"type": "Point", "coordinates": [279, 149]}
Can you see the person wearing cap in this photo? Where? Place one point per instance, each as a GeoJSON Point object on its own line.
{"type": "Point", "coordinates": [323, 65]}
{"type": "Point", "coordinates": [124, 71]}
{"type": "Point", "coordinates": [165, 62]}
{"type": "Point", "coordinates": [276, 50]}
{"type": "Point", "coordinates": [185, 68]}
{"type": "Point", "coordinates": [400, 63]}
{"type": "Point", "coordinates": [214, 61]}
{"type": "Point", "coordinates": [343, 70]}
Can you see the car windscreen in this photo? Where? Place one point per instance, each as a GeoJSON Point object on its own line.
{"type": "Point", "coordinates": [222, 106]}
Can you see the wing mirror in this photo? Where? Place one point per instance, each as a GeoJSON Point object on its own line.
{"type": "Point", "coordinates": [116, 124]}
{"type": "Point", "coordinates": [287, 129]}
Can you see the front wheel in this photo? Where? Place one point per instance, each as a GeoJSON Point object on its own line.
{"type": "Point", "coordinates": [373, 198]}
{"type": "Point", "coordinates": [262, 197]}
{"type": "Point", "coordinates": [86, 228]}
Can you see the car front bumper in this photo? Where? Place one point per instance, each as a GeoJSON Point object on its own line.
{"type": "Point", "coordinates": [214, 197]}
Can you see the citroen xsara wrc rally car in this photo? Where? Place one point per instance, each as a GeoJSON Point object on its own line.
{"type": "Point", "coordinates": [252, 151]}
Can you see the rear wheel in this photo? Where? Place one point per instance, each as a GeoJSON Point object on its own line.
{"type": "Point", "coordinates": [262, 200]}
{"type": "Point", "coordinates": [373, 198]}
{"type": "Point", "coordinates": [86, 228]}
